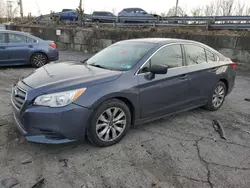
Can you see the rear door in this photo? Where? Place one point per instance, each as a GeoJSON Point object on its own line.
{"type": "Point", "coordinates": [164, 93]}
{"type": "Point", "coordinates": [3, 49]}
{"type": "Point", "coordinates": [202, 72]}
{"type": "Point", "coordinates": [19, 48]}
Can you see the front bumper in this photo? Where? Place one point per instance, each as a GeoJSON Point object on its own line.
{"type": "Point", "coordinates": [52, 125]}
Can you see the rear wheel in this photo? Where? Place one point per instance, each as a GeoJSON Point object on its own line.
{"type": "Point", "coordinates": [38, 60]}
{"type": "Point", "coordinates": [216, 97]}
{"type": "Point", "coordinates": [109, 123]}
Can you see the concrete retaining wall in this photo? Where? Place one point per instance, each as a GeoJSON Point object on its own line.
{"type": "Point", "coordinates": [92, 40]}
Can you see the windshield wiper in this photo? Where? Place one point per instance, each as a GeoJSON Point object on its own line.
{"type": "Point", "coordinates": [84, 61]}
{"type": "Point", "coordinates": [99, 66]}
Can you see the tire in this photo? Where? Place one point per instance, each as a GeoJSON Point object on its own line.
{"type": "Point", "coordinates": [220, 98]}
{"type": "Point", "coordinates": [38, 60]}
{"type": "Point", "coordinates": [105, 134]}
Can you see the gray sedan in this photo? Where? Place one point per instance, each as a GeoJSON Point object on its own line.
{"type": "Point", "coordinates": [129, 82]}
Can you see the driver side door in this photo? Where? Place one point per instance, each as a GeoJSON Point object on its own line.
{"type": "Point", "coordinates": [164, 93]}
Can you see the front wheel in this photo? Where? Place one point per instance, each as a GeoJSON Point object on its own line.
{"type": "Point", "coordinates": [109, 123]}
{"type": "Point", "coordinates": [38, 60]}
{"type": "Point", "coordinates": [216, 97]}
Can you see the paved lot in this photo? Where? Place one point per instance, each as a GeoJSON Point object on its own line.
{"type": "Point", "coordinates": [182, 151]}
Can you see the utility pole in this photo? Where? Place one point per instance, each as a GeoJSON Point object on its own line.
{"type": "Point", "coordinates": [9, 9]}
{"type": "Point", "coordinates": [176, 7]}
{"type": "Point", "coordinates": [21, 9]}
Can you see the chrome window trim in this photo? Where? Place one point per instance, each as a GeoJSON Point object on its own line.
{"type": "Point", "coordinates": [184, 53]}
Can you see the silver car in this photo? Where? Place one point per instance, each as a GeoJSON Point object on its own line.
{"type": "Point", "coordinates": [136, 15]}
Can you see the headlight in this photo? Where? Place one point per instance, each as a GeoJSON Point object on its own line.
{"type": "Point", "coordinates": [59, 99]}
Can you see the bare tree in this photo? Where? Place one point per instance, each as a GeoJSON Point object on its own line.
{"type": "Point", "coordinates": [197, 11]}
{"type": "Point", "coordinates": [180, 11]}
{"type": "Point", "coordinates": [226, 7]}
{"type": "Point", "coordinates": [240, 8]}
{"type": "Point", "coordinates": [163, 14]}
{"type": "Point", "coordinates": [114, 11]}
{"type": "Point", "coordinates": [210, 10]}
{"type": "Point", "coordinates": [80, 13]}
{"type": "Point", "coordinates": [2, 8]}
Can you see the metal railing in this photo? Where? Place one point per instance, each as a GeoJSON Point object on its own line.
{"type": "Point", "coordinates": [213, 22]}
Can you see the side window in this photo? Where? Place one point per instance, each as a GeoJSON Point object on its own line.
{"type": "Point", "coordinates": [195, 54]}
{"type": "Point", "coordinates": [211, 56]}
{"type": "Point", "coordinates": [169, 55]}
{"type": "Point", "coordinates": [14, 38]}
{"type": "Point", "coordinates": [2, 38]}
{"type": "Point", "coordinates": [30, 40]}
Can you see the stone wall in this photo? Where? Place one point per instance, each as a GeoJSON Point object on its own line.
{"type": "Point", "coordinates": [94, 39]}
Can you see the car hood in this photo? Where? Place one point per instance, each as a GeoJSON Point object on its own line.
{"type": "Point", "coordinates": [68, 75]}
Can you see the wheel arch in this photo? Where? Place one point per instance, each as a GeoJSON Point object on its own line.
{"type": "Point", "coordinates": [38, 52]}
{"type": "Point", "coordinates": [225, 81]}
{"type": "Point", "coordinates": [130, 104]}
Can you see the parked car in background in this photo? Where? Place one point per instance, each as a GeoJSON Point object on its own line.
{"type": "Point", "coordinates": [142, 15]}
{"type": "Point", "coordinates": [68, 14]}
{"type": "Point", "coordinates": [129, 82]}
{"type": "Point", "coordinates": [103, 16]}
{"type": "Point", "coordinates": [2, 27]}
{"type": "Point", "coordinates": [19, 48]}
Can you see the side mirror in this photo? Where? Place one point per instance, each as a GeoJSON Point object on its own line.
{"type": "Point", "coordinates": [158, 69]}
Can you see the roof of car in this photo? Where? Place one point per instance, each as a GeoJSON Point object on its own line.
{"type": "Point", "coordinates": [19, 32]}
{"type": "Point", "coordinates": [160, 40]}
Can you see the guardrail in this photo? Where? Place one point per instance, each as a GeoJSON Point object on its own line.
{"type": "Point", "coordinates": [213, 22]}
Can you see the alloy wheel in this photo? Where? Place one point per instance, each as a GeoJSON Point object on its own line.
{"type": "Point", "coordinates": [39, 60]}
{"type": "Point", "coordinates": [218, 96]}
{"type": "Point", "coordinates": [111, 124]}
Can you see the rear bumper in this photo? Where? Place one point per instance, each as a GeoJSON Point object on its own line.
{"type": "Point", "coordinates": [53, 55]}
{"type": "Point", "coordinates": [231, 83]}
{"type": "Point", "coordinates": [52, 125]}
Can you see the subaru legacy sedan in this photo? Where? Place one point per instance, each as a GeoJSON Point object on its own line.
{"type": "Point", "coordinates": [129, 82]}
{"type": "Point", "coordinates": [19, 48]}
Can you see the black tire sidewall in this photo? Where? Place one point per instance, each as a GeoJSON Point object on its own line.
{"type": "Point", "coordinates": [210, 104]}
{"type": "Point", "coordinates": [32, 59]}
{"type": "Point", "coordinates": [91, 129]}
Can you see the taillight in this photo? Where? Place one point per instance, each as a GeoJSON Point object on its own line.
{"type": "Point", "coordinates": [234, 65]}
{"type": "Point", "coordinates": [52, 45]}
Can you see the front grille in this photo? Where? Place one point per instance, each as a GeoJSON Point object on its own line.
{"type": "Point", "coordinates": [18, 97]}
{"type": "Point", "coordinates": [52, 135]}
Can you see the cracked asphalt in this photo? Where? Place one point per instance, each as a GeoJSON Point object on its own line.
{"type": "Point", "coordinates": [181, 151]}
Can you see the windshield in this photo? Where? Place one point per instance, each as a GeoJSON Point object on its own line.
{"type": "Point", "coordinates": [120, 56]}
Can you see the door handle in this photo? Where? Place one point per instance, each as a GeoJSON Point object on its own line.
{"type": "Point", "coordinates": [183, 77]}
{"type": "Point", "coordinates": [30, 46]}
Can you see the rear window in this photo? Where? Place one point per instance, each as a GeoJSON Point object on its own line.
{"type": "Point", "coordinates": [195, 54]}
{"type": "Point", "coordinates": [211, 56]}
{"type": "Point", "coordinates": [15, 38]}
{"type": "Point", "coordinates": [102, 14]}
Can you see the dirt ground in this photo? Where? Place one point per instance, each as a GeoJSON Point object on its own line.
{"type": "Point", "coordinates": [181, 151]}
